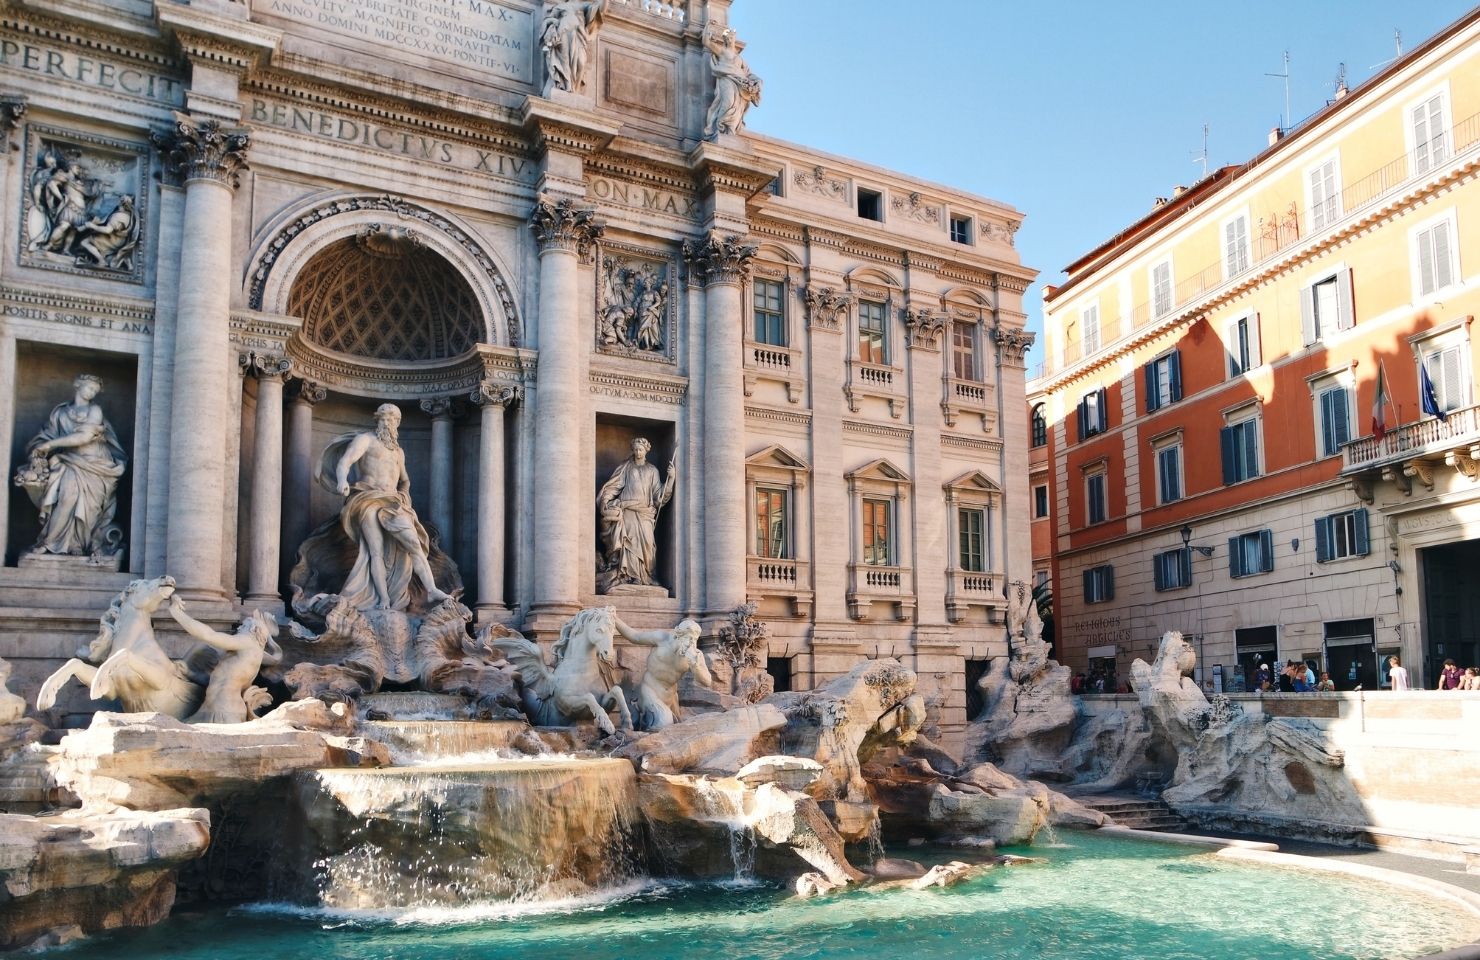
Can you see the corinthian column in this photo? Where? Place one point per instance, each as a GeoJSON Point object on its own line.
{"type": "Point", "coordinates": [208, 158]}
{"type": "Point", "coordinates": [494, 398]}
{"type": "Point", "coordinates": [265, 527]}
{"type": "Point", "coordinates": [722, 263]}
{"type": "Point", "coordinates": [298, 470]}
{"type": "Point", "coordinates": [565, 234]}
{"type": "Point", "coordinates": [441, 410]}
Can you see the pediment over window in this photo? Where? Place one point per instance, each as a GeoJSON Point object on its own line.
{"type": "Point", "coordinates": [974, 481]}
{"type": "Point", "coordinates": [880, 469]}
{"type": "Point", "coordinates": [776, 456]}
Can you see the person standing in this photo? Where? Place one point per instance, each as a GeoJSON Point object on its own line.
{"type": "Point", "coordinates": [1397, 674]}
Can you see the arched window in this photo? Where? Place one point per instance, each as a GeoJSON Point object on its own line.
{"type": "Point", "coordinates": [1040, 426]}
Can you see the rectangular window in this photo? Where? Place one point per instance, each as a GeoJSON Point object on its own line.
{"type": "Point", "coordinates": [1334, 404]}
{"type": "Point", "coordinates": [1040, 501]}
{"type": "Point", "coordinates": [1040, 577]}
{"type": "Point", "coordinates": [1243, 345]}
{"type": "Point", "coordinates": [1169, 472]}
{"type": "Point", "coordinates": [770, 312]}
{"type": "Point", "coordinates": [1163, 381]}
{"type": "Point", "coordinates": [870, 204]}
{"type": "Point", "coordinates": [1099, 584]}
{"type": "Point", "coordinates": [1094, 497]}
{"type": "Point", "coordinates": [1446, 370]}
{"type": "Point", "coordinates": [1326, 307]}
{"type": "Point", "coordinates": [1161, 289]}
{"type": "Point", "coordinates": [973, 524]}
{"type": "Point", "coordinates": [1092, 414]}
{"type": "Point", "coordinates": [1172, 570]}
{"type": "Point", "coordinates": [1430, 147]}
{"type": "Point", "coordinates": [961, 230]}
{"type": "Point", "coordinates": [1236, 246]}
{"type": "Point", "coordinates": [1090, 322]}
{"type": "Point", "coordinates": [1251, 553]}
{"type": "Point", "coordinates": [1325, 196]}
{"type": "Point", "coordinates": [771, 523]}
{"type": "Point", "coordinates": [1340, 535]}
{"type": "Point", "coordinates": [878, 532]}
{"type": "Point", "coordinates": [873, 332]}
{"type": "Point", "coordinates": [963, 351]}
{"type": "Point", "coordinates": [1240, 449]}
{"type": "Point", "coordinates": [1435, 256]}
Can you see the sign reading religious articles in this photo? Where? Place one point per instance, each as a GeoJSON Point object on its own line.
{"type": "Point", "coordinates": [82, 209]}
{"type": "Point", "coordinates": [634, 305]}
{"type": "Point", "coordinates": [488, 38]}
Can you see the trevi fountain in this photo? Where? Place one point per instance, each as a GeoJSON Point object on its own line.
{"type": "Point", "coordinates": [472, 497]}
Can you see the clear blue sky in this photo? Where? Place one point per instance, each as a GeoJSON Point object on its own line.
{"type": "Point", "coordinates": [1077, 113]}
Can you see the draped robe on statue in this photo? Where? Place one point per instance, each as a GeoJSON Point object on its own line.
{"type": "Point", "coordinates": [80, 495]}
{"type": "Point", "coordinates": [629, 502]}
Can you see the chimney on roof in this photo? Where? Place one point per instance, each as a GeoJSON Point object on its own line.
{"type": "Point", "coordinates": [1276, 134]}
{"type": "Point", "coordinates": [1158, 203]}
{"type": "Point", "coordinates": [1049, 290]}
{"type": "Point", "coordinates": [1178, 190]}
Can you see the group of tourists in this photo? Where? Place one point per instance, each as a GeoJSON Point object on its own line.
{"type": "Point", "coordinates": [1292, 676]}
{"type": "Point", "coordinates": [1453, 678]}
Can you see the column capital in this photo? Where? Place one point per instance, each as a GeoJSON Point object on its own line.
{"type": "Point", "coordinates": [720, 258]}
{"type": "Point", "coordinates": [203, 150]}
{"type": "Point", "coordinates": [922, 327]}
{"type": "Point", "coordinates": [308, 392]}
{"type": "Point", "coordinates": [496, 393]}
{"type": "Point", "coordinates": [264, 366]}
{"type": "Point", "coordinates": [441, 408]}
{"type": "Point", "coordinates": [826, 307]}
{"type": "Point", "coordinates": [1013, 344]}
{"type": "Point", "coordinates": [561, 225]}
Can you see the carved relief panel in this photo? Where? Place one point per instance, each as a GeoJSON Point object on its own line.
{"type": "Point", "coordinates": [83, 204]}
{"type": "Point", "coordinates": [635, 303]}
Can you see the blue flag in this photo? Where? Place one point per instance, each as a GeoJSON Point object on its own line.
{"type": "Point", "coordinates": [1426, 387]}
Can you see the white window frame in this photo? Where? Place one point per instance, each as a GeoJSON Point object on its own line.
{"type": "Point", "coordinates": [1047, 501]}
{"type": "Point", "coordinates": [1244, 413]}
{"type": "Point", "coordinates": [1448, 219]}
{"type": "Point", "coordinates": [1453, 334]}
{"type": "Point", "coordinates": [969, 220]}
{"type": "Point", "coordinates": [1098, 470]}
{"type": "Point", "coordinates": [1089, 319]}
{"type": "Point", "coordinates": [1172, 443]}
{"type": "Point", "coordinates": [1171, 287]}
{"type": "Point", "coordinates": [1256, 358]}
{"type": "Point", "coordinates": [1223, 247]}
{"type": "Point", "coordinates": [1322, 383]}
{"type": "Point", "coordinates": [1106, 584]}
{"type": "Point", "coordinates": [1339, 273]}
{"type": "Point", "coordinates": [1332, 160]}
{"type": "Point", "coordinates": [1409, 138]}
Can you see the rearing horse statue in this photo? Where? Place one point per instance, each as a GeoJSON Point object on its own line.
{"type": "Point", "coordinates": [579, 685]}
{"type": "Point", "coordinates": [127, 663]}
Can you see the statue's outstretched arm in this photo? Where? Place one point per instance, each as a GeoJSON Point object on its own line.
{"type": "Point", "coordinates": [221, 641]}
{"type": "Point", "coordinates": [643, 638]}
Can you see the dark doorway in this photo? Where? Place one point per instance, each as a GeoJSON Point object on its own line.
{"type": "Point", "coordinates": [1350, 657]}
{"type": "Point", "coordinates": [975, 703]}
{"type": "Point", "coordinates": [1256, 645]}
{"type": "Point", "coordinates": [780, 670]}
{"type": "Point", "coordinates": [1451, 617]}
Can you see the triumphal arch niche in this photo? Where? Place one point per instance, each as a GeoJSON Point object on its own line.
{"type": "Point", "coordinates": [629, 351]}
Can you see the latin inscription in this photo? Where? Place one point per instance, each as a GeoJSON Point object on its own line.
{"type": "Point", "coordinates": [375, 136]}
{"type": "Point", "coordinates": [643, 198]}
{"type": "Point", "coordinates": [66, 65]}
{"type": "Point", "coordinates": [483, 34]}
{"type": "Point", "coordinates": [69, 319]}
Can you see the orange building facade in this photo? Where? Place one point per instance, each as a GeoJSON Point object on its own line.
{"type": "Point", "coordinates": [1211, 400]}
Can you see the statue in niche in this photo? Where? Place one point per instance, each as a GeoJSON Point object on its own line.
{"type": "Point", "coordinates": [565, 37]}
{"type": "Point", "coordinates": [230, 695]}
{"type": "Point", "coordinates": [675, 653]}
{"type": "Point", "coordinates": [71, 214]}
{"type": "Point", "coordinates": [628, 505]}
{"type": "Point", "coordinates": [736, 89]}
{"type": "Point", "coordinates": [391, 569]}
{"type": "Point", "coordinates": [634, 306]}
{"type": "Point", "coordinates": [72, 477]}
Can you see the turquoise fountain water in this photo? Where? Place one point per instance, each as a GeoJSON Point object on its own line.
{"type": "Point", "coordinates": [1097, 898]}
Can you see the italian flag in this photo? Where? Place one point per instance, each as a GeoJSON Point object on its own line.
{"type": "Point", "coordinates": [1380, 403]}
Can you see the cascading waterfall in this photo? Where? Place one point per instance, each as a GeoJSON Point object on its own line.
{"type": "Point", "coordinates": [723, 803]}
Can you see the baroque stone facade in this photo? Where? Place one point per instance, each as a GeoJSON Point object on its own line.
{"type": "Point", "coordinates": [255, 222]}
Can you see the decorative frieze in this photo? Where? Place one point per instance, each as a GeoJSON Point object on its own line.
{"type": "Point", "coordinates": [203, 150]}
{"type": "Point", "coordinates": [658, 389]}
{"type": "Point", "coordinates": [826, 307]}
{"type": "Point", "coordinates": [635, 310]}
{"type": "Point", "coordinates": [816, 181]}
{"type": "Point", "coordinates": [719, 259]}
{"type": "Point", "coordinates": [560, 224]}
{"type": "Point", "coordinates": [914, 207]}
{"type": "Point", "coordinates": [96, 313]}
{"type": "Point", "coordinates": [83, 206]}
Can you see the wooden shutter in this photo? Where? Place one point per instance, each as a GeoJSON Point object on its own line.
{"type": "Point", "coordinates": [1089, 585]}
{"type": "Point", "coordinates": [1250, 432]}
{"type": "Point", "coordinates": [1184, 567]}
{"type": "Point", "coordinates": [1158, 571]}
{"type": "Point", "coordinates": [1251, 328]}
{"type": "Point", "coordinates": [1325, 545]}
{"type": "Point", "coordinates": [1153, 399]}
{"type": "Point", "coordinates": [1081, 419]}
{"type": "Point", "coordinates": [1235, 557]}
{"type": "Point", "coordinates": [1421, 137]}
{"type": "Point", "coordinates": [1308, 314]}
{"type": "Point", "coordinates": [1227, 444]}
{"type": "Point", "coordinates": [1345, 317]}
{"type": "Point", "coordinates": [1443, 272]}
{"type": "Point", "coordinates": [1341, 418]}
{"type": "Point", "coordinates": [1174, 375]}
{"type": "Point", "coordinates": [1266, 550]}
{"type": "Point", "coordinates": [1449, 382]}
{"type": "Point", "coordinates": [1108, 581]}
{"type": "Point", "coordinates": [1363, 546]}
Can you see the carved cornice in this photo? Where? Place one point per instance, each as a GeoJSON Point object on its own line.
{"type": "Point", "coordinates": [125, 314]}
{"type": "Point", "coordinates": [922, 327]}
{"type": "Point", "coordinates": [1013, 344]}
{"type": "Point", "coordinates": [232, 43]}
{"type": "Point", "coordinates": [617, 383]}
{"type": "Point", "coordinates": [826, 307]}
{"type": "Point", "coordinates": [866, 428]}
{"type": "Point", "coordinates": [798, 418]}
{"type": "Point", "coordinates": [203, 150]}
{"type": "Point", "coordinates": [496, 393]}
{"type": "Point", "coordinates": [775, 228]}
{"type": "Point", "coordinates": [264, 366]}
{"type": "Point", "coordinates": [561, 225]}
{"type": "Point", "coordinates": [973, 445]}
{"type": "Point", "coordinates": [719, 258]}
{"type": "Point", "coordinates": [307, 391]}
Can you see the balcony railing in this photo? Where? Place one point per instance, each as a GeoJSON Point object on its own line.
{"type": "Point", "coordinates": [966, 589]}
{"type": "Point", "coordinates": [1277, 233]}
{"type": "Point", "coordinates": [1410, 440]}
{"type": "Point", "coordinates": [869, 582]}
{"type": "Point", "coordinates": [780, 577]}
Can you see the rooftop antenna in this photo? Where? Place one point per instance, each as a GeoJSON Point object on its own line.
{"type": "Point", "coordinates": [1397, 49]}
{"type": "Point", "coordinates": [1202, 158]}
{"type": "Point", "coordinates": [1285, 121]}
{"type": "Point", "coordinates": [1340, 85]}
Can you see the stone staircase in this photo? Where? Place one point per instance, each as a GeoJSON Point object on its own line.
{"type": "Point", "coordinates": [1138, 813]}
